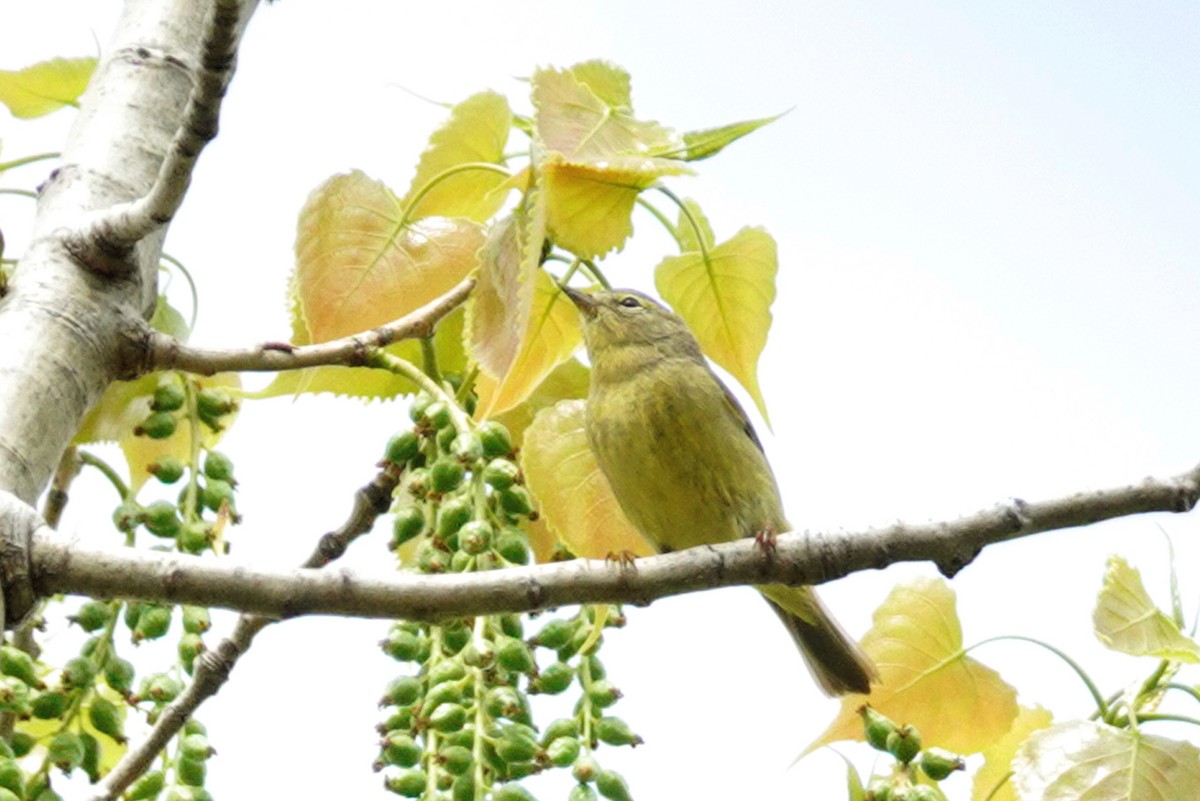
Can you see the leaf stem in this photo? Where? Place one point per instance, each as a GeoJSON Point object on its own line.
{"type": "Point", "coordinates": [694, 223]}
{"type": "Point", "coordinates": [21, 162]}
{"type": "Point", "coordinates": [107, 470]}
{"type": "Point", "coordinates": [406, 215]}
{"type": "Point", "coordinates": [187, 276]}
{"type": "Point", "coordinates": [387, 361]}
{"type": "Point", "coordinates": [1101, 703]}
{"type": "Point", "coordinates": [662, 218]}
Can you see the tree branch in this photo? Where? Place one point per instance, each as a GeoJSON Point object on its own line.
{"type": "Point", "coordinates": [164, 352]}
{"type": "Point", "coordinates": [798, 558]}
{"type": "Point", "coordinates": [106, 240]}
{"type": "Point", "coordinates": [212, 668]}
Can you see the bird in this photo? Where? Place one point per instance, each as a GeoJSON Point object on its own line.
{"type": "Point", "coordinates": [685, 464]}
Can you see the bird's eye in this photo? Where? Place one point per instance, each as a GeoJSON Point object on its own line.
{"type": "Point", "coordinates": [630, 302]}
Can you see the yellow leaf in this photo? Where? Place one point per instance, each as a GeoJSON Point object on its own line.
{"type": "Point", "coordinates": [1127, 620]}
{"type": "Point", "coordinates": [926, 678]}
{"type": "Point", "coordinates": [477, 131]}
{"type": "Point", "coordinates": [586, 116]}
{"type": "Point", "coordinates": [371, 384]}
{"type": "Point", "coordinates": [566, 382]}
{"type": "Point", "coordinates": [573, 494]}
{"type": "Point", "coordinates": [726, 301]}
{"type": "Point", "coordinates": [499, 307]}
{"type": "Point", "coordinates": [141, 452]}
{"type": "Point", "coordinates": [551, 336]}
{"type": "Point", "coordinates": [1085, 759]}
{"type": "Point", "coordinates": [589, 203]}
{"type": "Point", "coordinates": [358, 267]}
{"type": "Point", "coordinates": [998, 757]}
{"type": "Point", "coordinates": [46, 86]}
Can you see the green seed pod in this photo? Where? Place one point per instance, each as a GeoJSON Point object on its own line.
{"type": "Point", "coordinates": [445, 439]}
{"type": "Point", "coordinates": [615, 731]}
{"type": "Point", "coordinates": [904, 743]}
{"type": "Point", "coordinates": [938, 763]}
{"type": "Point", "coordinates": [404, 646]}
{"type": "Point", "coordinates": [401, 719]}
{"type": "Point", "coordinates": [582, 792]}
{"type": "Point", "coordinates": [879, 789]}
{"type": "Point", "coordinates": [448, 718]}
{"type": "Point", "coordinates": [437, 415]}
{"type": "Point", "coordinates": [213, 404]}
{"type": "Point", "coordinates": [554, 679]}
{"type": "Point", "coordinates": [513, 625]}
{"type": "Point", "coordinates": [585, 769]}
{"type": "Point", "coordinates": [160, 688]}
{"type": "Point", "coordinates": [190, 647]}
{"type": "Point", "coordinates": [8, 795]}
{"type": "Point", "coordinates": [196, 746]}
{"type": "Point", "coordinates": [148, 785]}
{"type": "Point", "coordinates": [21, 743]}
{"type": "Point", "coordinates": [431, 559]}
{"type": "Point", "coordinates": [66, 751]}
{"type": "Point", "coordinates": [561, 727]}
{"type": "Point", "coordinates": [158, 425]}
{"type": "Point", "coordinates": [416, 482]}
{"type": "Point", "coordinates": [196, 619]}
{"type": "Point", "coordinates": [162, 519]}
{"type": "Point", "coordinates": [18, 664]}
{"type": "Point", "coordinates": [119, 673]}
{"type": "Point", "coordinates": [168, 469]}
{"type": "Point", "coordinates": [876, 727]}
{"type": "Point", "coordinates": [452, 516]}
{"type": "Point", "coordinates": [516, 745]}
{"type": "Point", "coordinates": [475, 537]}
{"type": "Point", "coordinates": [563, 751]}
{"type": "Point", "coordinates": [153, 623]}
{"type": "Point", "coordinates": [190, 771]}
{"type": "Point", "coordinates": [447, 670]}
{"type": "Point", "coordinates": [416, 410]}
{"type": "Point", "coordinates": [460, 562]}
{"type": "Point", "coordinates": [194, 726]}
{"type": "Point", "coordinates": [556, 633]}
{"type": "Point", "coordinates": [445, 475]}
{"type": "Point", "coordinates": [603, 694]}
{"type": "Point", "coordinates": [408, 523]}
{"type": "Point", "coordinates": [903, 792]}
{"type": "Point", "coordinates": [195, 537]}
{"type": "Point", "coordinates": [402, 448]}
{"type": "Point", "coordinates": [403, 691]}
{"type": "Point", "coordinates": [925, 792]}
{"type": "Point", "coordinates": [168, 397]}
{"type": "Point", "coordinates": [401, 750]}
{"type": "Point", "coordinates": [107, 718]}
{"type": "Point", "coordinates": [216, 493]}
{"type": "Point", "coordinates": [467, 448]}
{"type": "Point", "coordinates": [93, 615]}
{"type": "Point", "coordinates": [512, 792]}
{"type": "Point", "coordinates": [410, 784]}
{"type": "Point", "coordinates": [512, 544]}
{"type": "Point", "coordinates": [127, 516]}
{"type": "Point", "coordinates": [12, 778]}
{"type": "Point", "coordinates": [514, 655]}
{"type": "Point", "coordinates": [502, 702]}
{"type": "Point", "coordinates": [78, 672]}
{"type": "Point", "coordinates": [516, 500]}
{"type": "Point", "coordinates": [91, 757]}
{"type": "Point", "coordinates": [219, 466]}
{"type": "Point", "coordinates": [463, 788]}
{"type": "Point", "coordinates": [612, 786]}
{"type": "Point", "coordinates": [447, 693]}
{"type": "Point", "coordinates": [14, 696]}
{"type": "Point", "coordinates": [455, 636]}
{"type": "Point", "coordinates": [500, 474]}
{"type": "Point", "coordinates": [456, 759]}
{"type": "Point", "coordinates": [494, 438]}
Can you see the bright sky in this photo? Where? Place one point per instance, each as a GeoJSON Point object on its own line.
{"type": "Point", "coordinates": [986, 216]}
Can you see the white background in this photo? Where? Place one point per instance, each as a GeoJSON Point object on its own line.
{"type": "Point", "coordinates": [987, 226]}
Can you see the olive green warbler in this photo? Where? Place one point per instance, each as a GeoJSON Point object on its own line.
{"type": "Point", "coordinates": [685, 464]}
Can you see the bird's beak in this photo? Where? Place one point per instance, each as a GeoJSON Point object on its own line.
{"type": "Point", "coordinates": [585, 303]}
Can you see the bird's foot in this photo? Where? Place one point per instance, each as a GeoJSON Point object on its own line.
{"type": "Point", "coordinates": [764, 538]}
{"type": "Point", "coordinates": [625, 561]}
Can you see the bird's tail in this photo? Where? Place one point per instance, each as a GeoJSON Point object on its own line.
{"type": "Point", "coordinates": [835, 660]}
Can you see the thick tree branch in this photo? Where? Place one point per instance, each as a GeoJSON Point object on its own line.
{"type": "Point", "coordinates": [798, 558]}
{"type": "Point", "coordinates": [164, 352]}
{"type": "Point", "coordinates": [212, 668]}
{"type": "Point", "coordinates": [107, 239]}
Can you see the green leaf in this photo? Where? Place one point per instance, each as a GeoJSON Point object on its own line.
{"type": "Point", "coordinates": [709, 142]}
{"type": "Point", "coordinates": [726, 301]}
{"type": "Point", "coordinates": [1088, 760]}
{"type": "Point", "coordinates": [477, 131]}
{"type": "Point", "coordinates": [1127, 620]}
{"type": "Point", "coordinates": [45, 87]}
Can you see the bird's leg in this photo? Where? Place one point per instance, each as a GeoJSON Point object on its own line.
{"type": "Point", "coordinates": [625, 560]}
{"type": "Point", "coordinates": [765, 538]}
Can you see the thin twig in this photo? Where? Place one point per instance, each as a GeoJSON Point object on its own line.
{"type": "Point", "coordinates": [164, 352]}
{"type": "Point", "coordinates": [212, 668]}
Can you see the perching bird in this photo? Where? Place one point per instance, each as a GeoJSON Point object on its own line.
{"type": "Point", "coordinates": [685, 464]}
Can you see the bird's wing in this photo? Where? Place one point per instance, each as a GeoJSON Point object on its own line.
{"type": "Point", "coordinates": [740, 415]}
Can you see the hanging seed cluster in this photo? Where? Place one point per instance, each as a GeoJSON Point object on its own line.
{"type": "Point", "coordinates": [459, 723]}
{"type": "Point", "coordinates": [914, 766]}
